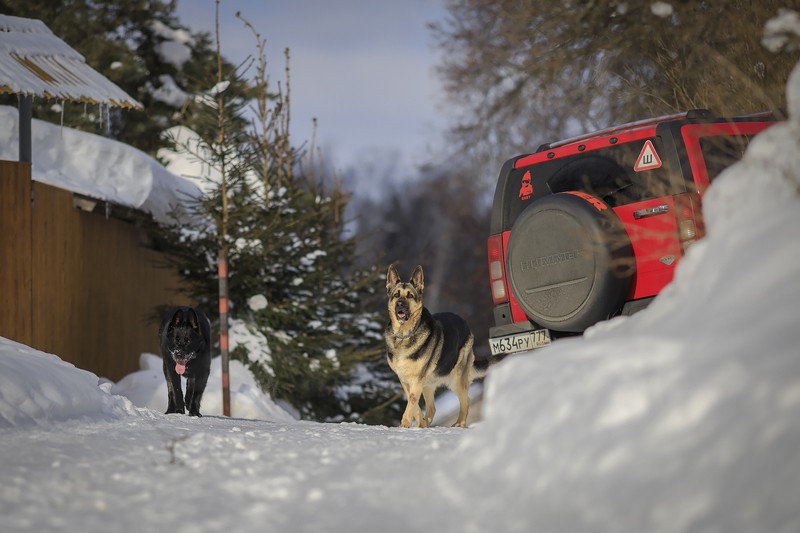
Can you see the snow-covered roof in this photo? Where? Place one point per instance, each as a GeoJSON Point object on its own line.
{"type": "Point", "coordinates": [35, 62]}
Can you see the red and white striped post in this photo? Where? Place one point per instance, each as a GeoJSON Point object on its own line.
{"type": "Point", "coordinates": [223, 330]}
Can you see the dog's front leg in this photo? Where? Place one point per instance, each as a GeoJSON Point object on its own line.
{"type": "Point", "coordinates": [192, 398]}
{"type": "Point", "coordinates": [195, 386]}
{"type": "Point", "coordinates": [430, 407]}
{"type": "Point", "coordinates": [406, 421]}
{"type": "Point", "coordinates": [413, 412]}
{"type": "Point", "coordinates": [174, 392]}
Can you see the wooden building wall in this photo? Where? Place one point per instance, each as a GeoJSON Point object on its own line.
{"type": "Point", "coordinates": [74, 283]}
{"type": "Point", "coordinates": [15, 251]}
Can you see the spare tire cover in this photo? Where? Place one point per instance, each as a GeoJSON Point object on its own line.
{"type": "Point", "coordinates": [569, 261]}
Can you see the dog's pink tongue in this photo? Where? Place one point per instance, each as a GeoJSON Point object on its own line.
{"type": "Point", "coordinates": [179, 368]}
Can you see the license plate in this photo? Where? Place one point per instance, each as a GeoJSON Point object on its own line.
{"type": "Point", "coordinates": [520, 341]}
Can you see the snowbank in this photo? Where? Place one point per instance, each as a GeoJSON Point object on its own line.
{"type": "Point", "coordinates": [684, 417]}
{"type": "Point", "coordinates": [95, 166]}
{"type": "Point", "coordinates": [37, 388]}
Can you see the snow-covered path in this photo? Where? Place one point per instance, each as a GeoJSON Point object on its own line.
{"type": "Point", "coordinates": [158, 472]}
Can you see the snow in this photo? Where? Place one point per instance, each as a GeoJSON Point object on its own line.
{"type": "Point", "coordinates": [682, 418]}
{"type": "Point", "coordinates": [175, 46]}
{"type": "Point", "coordinates": [67, 76]}
{"type": "Point", "coordinates": [661, 9]}
{"type": "Point", "coordinates": [168, 92]}
{"type": "Point", "coordinates": [95, 166]}
{"type": "Point", "coordinates": [189, 158]}
{"type": "Point", "coordinates": [782, 32]}
{"type": "Point", "coordinates": [39, 388]}
{"type": "Point", "coordinates": [257, 302]}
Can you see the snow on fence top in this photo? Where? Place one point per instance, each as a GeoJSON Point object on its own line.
{"type": "Point", "coordinates": [98, 167]}
{"type": "Point", "coordinates": [35, 62]}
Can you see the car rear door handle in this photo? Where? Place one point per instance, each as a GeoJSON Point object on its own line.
{"type": "Point", "coordinates": [651, 211]}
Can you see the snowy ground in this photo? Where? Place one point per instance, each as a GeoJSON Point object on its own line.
{"type": "Point", "coordinates": [683, 418]}
{"type": "Point", "coordinates": [158, 473]}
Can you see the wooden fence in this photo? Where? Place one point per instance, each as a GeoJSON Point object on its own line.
{"type": "Point", "coordinates": [76, 284]}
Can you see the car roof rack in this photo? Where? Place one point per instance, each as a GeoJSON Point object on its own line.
{"type": "Point", "coordinates": [691, 114]}
{"type": "Point", "coordinates": [778, 114]}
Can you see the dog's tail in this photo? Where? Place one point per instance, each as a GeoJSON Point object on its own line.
{"type": "Point", "coordinates": [480, 366]}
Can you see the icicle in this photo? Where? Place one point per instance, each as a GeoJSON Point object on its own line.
{"type": "Point", "coordinates": [63, 104]}
{"type": "Point", "coordinates": [104, 118]}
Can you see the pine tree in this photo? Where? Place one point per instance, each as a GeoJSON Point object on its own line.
{"type": "Point", "coordinates": [294, 290]}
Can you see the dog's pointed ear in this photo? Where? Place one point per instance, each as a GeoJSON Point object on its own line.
{"type": "Point", "coordinates": [177, 318]}
{"type": "Point", "coordinates": [418, 279]}
{"type": "Point", "coordinates": [392, 279]}
{"type": "Point", "coordinates": [193, 319]}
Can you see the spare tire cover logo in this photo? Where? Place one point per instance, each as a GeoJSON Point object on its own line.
{"type": "Point", "coordinates": [549, 260]}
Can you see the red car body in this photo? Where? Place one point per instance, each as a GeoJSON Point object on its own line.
{"type": "Point", "coordinates": [647, 177]}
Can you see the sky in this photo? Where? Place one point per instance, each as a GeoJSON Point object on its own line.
{"type": "Point", "coordinates": [684, 417]}
{"type": "Point", "coordinates": [363, 68]}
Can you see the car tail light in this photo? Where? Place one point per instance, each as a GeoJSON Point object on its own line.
{"type": "Point", "coordinates": [688, 218]}
{"type": "Point", "coordinates": [497, 271]}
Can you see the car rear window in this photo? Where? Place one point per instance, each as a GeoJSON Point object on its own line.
{"type": "Point", "coordinates": [720, 152]}
{"type": "Point", "coordinates": [607, 173]}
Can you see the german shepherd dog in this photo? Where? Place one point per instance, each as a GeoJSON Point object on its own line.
{"type": "Point", "coordinates": [185, 338]}
{"type": "Point", "coordinates": [427, 351]}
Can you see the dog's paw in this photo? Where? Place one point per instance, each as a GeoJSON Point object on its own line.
{"type": "Point", "coordinates": [195, 413]}
{"type": "Point", "coordinates": [175, 411]}
{"type": "Point", "coordinates": [405, 423]}
{"type": "Point", "coordinates": [460, 424]}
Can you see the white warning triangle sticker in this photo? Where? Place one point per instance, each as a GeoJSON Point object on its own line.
{"type": "Point", "coordinates": [648, 158]}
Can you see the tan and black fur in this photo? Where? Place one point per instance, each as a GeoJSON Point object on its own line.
{"type": "Point", "coordinates": [427, 351]}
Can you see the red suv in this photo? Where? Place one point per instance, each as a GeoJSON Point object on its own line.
{"type": "Point", "coordinates": [591, 227]}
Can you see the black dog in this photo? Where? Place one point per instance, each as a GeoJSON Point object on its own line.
{"type": "Point", "coordinates": [185, 337]}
